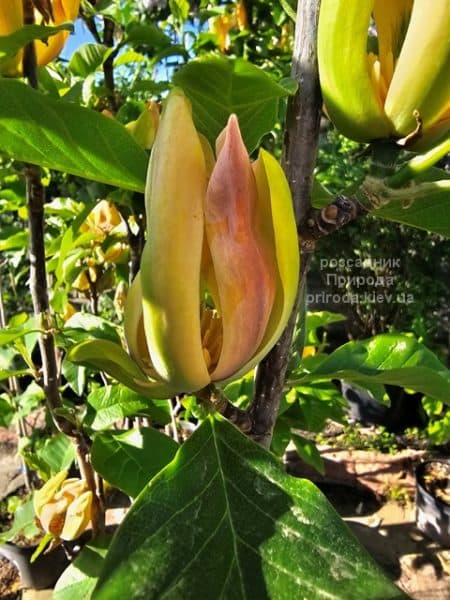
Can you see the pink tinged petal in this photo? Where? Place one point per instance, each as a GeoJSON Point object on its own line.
{"type": "Point", "coordinates": [245, 273]}
{"type": "Point", "coordinates": [278, 230]}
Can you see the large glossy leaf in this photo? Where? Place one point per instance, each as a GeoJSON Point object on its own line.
{"type": "Point", "coordinates": [63, 136]}
{"type": "Point", "coordinates": [112, 403]}
{"type": "Point", "coordinates": [223, 520]}
{"type": "Point", "coordinates": [128, 460]}
{"type": "Point", "coordinates": [389, 358]}
{"type": "Point", "coordinates": [218, 87]}
{"type": "Point", "coordinates": [79, 579]}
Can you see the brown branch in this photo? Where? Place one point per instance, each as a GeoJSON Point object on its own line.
{"type": "Point", "coordinates": [39, 293]}
{"type": "Point", "coordinates": [299, 157]}
{"type": "Point", "coordinates": [321, 222]}
{"type": "Point", "coordinates": [108, 65]}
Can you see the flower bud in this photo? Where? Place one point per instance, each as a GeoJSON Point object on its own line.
{"type": "Point", "coordinates": [219, 269]}
{"type": "Point", "coordinates": [400, 89]}
{"type": "Point", "coordinates": [210, 313]}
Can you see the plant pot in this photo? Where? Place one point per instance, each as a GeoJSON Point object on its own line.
{"type": "Point", "coordinates": [43, 572]}
{"type": "Point", "coordinates": [432, 509]}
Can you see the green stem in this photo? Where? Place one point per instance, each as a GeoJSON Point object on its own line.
{"type": "Point", "coordinates": [384, 158]}
{"type": "Point", "coordinates": [419, 164]}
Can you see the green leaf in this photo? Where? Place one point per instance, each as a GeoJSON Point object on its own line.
{"type": "Point", "coordinates": [149, 34]}
{"type": "Point", "coordinates": [30, 399]}
{"type": "Point", "coordinates": [223, 520]}
{"type": "Point", "coordinates": [112, 403]}
{"type": "Point", "coordinates": [84, 325]}
{"type": "Point", "coordinates": [63, 136]}
{"type": "Point", "coordinates": [57, 454]}
{"type": "Point", "coordinates": [128, 460]}
{"type": "Point", "coordinates": [24, 523]}
{"type": "Point", "coordinates": [426, 208]}
{"type": "Point", "coordinates": [75, 376]}
{"type": "Point", "coordinates": [179, 9]}
{"type": "Point", "coordinates": [15, 241]}
{"type": "Point", "coordinates": [218, 87]}
{"type": "Point", "coordinates": [79, 579]}
{"type": "Point", "coordinates": [10, 334]}
{"type": "Point", "coordinates": [87, 59]}
{"type": "Point", "coordinates": [16, 373]}
{"type": "Point", "coordinates": [308, 452]}
{"type": "Point", "coordinates": [314, 320]}
{"type": "Point", "coordinates": [11, 44]}
{"type": "Point", "coordinates": [6, 412]}
{"type": "Point", "coordinates": [389, 358]}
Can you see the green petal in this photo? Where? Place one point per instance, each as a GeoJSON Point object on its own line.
{"type": "Point", "coordinates": [171, 260]}
{"type": "Point", "coordinates": [350, 97]}
{"type": "Point", "coordinates": [104, 355]}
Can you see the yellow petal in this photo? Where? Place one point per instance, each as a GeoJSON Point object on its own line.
{"type": "Point", "coordinates": [171, 260]}
{"type": "Point", "coordinates": [78, 516]}
{"type": "Point", "coordinates": [63, 10]}
{"type": "Point", "coordinates": [11, 19]}
{"type": "Point", "coordinates": [391, 20]}
{"type": "Point", "coordinates": [351, 100]}
{"type": "Point", "coordinates": [52, 516]}
{"type": "Point", "coordinates": [421, 80]}
{"type": "Point", "coordinates": [47, 491]}
{"type": "Point", "coordinates": [244, 271]}
{"type": "Point", "coordinates": [11, 16]}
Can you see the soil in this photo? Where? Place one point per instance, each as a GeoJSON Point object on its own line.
{"type": "Point", "coordinates": [10, 585]}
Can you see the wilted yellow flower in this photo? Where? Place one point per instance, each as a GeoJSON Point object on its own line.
{"type": "Point", "coordinates": [102, 219]}
{"type": "Point", "coordinates": [63, 506]}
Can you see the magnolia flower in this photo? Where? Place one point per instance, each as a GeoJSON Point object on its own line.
{"type": "Point", "coordinates": [63, 506]}
{"type": "Point", "coordinates": [394, 84]}
{"type": "Point", "coordinates": [48, 12]}
{"type": "Point", "coordinates": [219, 269]}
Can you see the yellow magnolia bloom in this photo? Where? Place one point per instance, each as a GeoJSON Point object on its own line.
{"type": "Point", "coordinates": [219, 269]}
{"type": "Point", "coordinates": [63, 506]}
{"type": "Point", "coordinates": [399, 89]}
{"type": "Point", "coordinates": [103, 219]}
{"type": "Point", "coordinates": [12, 19]}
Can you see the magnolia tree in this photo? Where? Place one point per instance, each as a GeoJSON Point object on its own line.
{"type": "Point", "coordinates": [159, 212]}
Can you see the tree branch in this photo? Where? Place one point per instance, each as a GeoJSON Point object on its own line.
{"type": "Point", "coordinates": [299, 158]}
{"type": "Point", "coordinates": [108, 65]}
{"type": "Point", "coordinates": [39, 293]}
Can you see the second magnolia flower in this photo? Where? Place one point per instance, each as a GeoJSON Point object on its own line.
{"type": "Point", "coordinates": [220, 267]}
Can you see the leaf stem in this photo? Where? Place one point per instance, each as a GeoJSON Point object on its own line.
{"type": "Point", "coordinates": [419, 164]}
